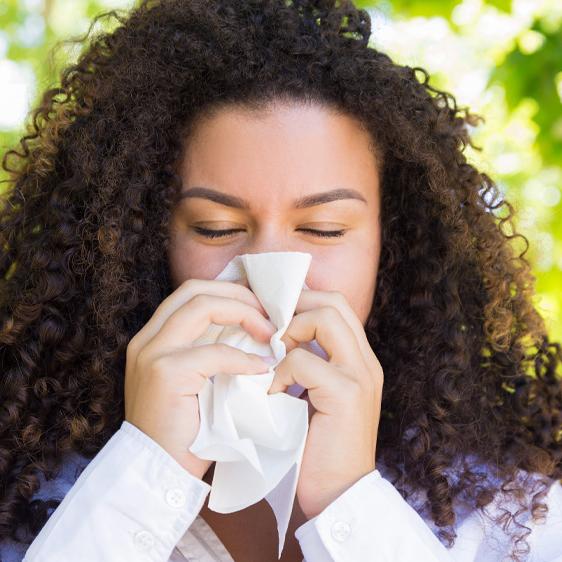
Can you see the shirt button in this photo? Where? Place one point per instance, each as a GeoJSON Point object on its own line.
{"type": "Point", "coordinates": [340, 530]}
{"type": "Point", "coordinates": [144, 539]}
{"type": "Point", "coordinates": [175, 497]}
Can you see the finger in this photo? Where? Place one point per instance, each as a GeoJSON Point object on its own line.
{"type": "Point", "coordinates": [310, 299]}
{"type": "Point", "coordinates": [192, 319]}
{"type": "Point", "coordinates": [184, 293]}
{"type": "Point", "coordinates": [210, 360]}
{"type": "Point", "coordinates": [323, 382]}
{"type": "Point", "coordinates": [215, 358]}
{"type": "Point", "coordinates": [327, 326]}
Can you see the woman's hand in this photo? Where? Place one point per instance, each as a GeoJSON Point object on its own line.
{"type": "Point", "coordinates": [164, 372]}
{"type": "Point", "coordinates": [345, 392]}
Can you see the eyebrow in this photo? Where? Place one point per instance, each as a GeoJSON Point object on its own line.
{"type": "Point", "coordinates": [300, 203]}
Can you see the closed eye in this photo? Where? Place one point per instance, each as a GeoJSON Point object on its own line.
{"type": "Point", "coordinates": [224, 233]}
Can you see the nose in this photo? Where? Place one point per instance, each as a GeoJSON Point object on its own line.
{"type": "Point", "coordinates": [269, 238]}
{"type": "Point", "coordinates": [272, 237]}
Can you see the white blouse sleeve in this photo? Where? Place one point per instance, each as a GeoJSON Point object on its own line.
{"type": "Point", "coordinates": [369, 521]}
{"type": "Point", "coordinates": [372, 521]}
{"type": "Point", "coordinates": [133, 501]}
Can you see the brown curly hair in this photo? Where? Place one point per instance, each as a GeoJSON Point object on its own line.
{"type": "Point", "coordinates": [470, 373]}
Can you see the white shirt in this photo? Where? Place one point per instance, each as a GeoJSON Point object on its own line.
{"type": "Point", "coordinates": [134, 502]}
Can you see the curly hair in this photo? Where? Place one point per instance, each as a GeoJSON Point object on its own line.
{"type": "Point", "coordinates": [470, 373]}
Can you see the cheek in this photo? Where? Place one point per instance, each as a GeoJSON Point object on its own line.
{"type": "Point", "coordinates": [178, 264]}
{"type": "Point", "coordinates": [191, 261]}
{"type": "Point", "coordinates": [353, 277]}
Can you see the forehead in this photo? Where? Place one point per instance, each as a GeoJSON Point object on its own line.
{"type": "Point", "coordinates": [284, 151]}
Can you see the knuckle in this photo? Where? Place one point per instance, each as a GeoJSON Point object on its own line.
{"type": "Point", "coordinates": [141, 357]}
{"type": "Point", "coordinates": [330, 314]}
{"type": "Point", "coordinates": [160, 366]}
{"type": "Point", "coordinates": [145, 361]}
{"type": "Point", "coordinates": [200, 300]}
{"type": "Point", "coordinates": [224, 348]}
{"type": "Point", "coordinates": [132, 349]}
{"type": "Point", "coordinates": [189, 285]}
{"type": "Point", "coordinates": [338, 297]}
{"type": "Point", "coordinates": [297, 354]}
{"type": "Point", "coordinates": [349, 389]}
{"type": "Point", "coordinates": [186, 289]}
{"type": "Point", "coordinates": [378, 379]}
{"type": "Point", "coordinates": [354, 388]}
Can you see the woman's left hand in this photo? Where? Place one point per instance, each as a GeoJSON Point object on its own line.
{"type": "Point", "coordinates": [345, 392]}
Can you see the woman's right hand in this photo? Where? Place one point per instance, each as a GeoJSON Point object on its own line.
{"type": "Point", "coordinates": [164, 372]}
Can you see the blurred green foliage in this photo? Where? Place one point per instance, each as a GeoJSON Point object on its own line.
{"type": "Point", "coordinates": [36, 34]}
{"type": "Point", "coordinates": [536, 76]}
{"type": "Point", "coordinates": [428, 8]}
{"type": "Point", "coordinates": [513, 46]}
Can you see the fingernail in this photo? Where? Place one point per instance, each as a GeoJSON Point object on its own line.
{"type": "Point", "coordinates": [270, 360]}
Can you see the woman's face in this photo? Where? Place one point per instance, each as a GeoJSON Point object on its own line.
{"type": "Point", "coordinates": [274, 179]}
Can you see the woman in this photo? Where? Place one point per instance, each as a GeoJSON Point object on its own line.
{"type": "Point", "coordinates": [199, 130]}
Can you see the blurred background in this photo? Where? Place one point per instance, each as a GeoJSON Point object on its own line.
{"type": "Point", "coordinates": [501, 58]}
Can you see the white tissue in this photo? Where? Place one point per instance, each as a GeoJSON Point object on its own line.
{"type": "Point", "coordinates": [256, 439]}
